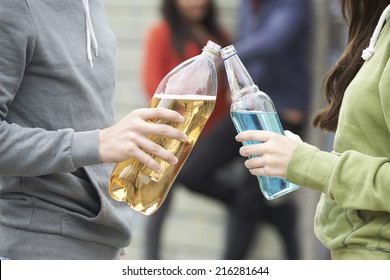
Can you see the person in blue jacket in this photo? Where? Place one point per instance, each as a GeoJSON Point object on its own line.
{"type": "Point", "coordinates": [273, 42]}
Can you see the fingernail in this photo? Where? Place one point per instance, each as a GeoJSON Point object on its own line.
{"type": "Point", "coordinates": [181, 119]}
{"type": "Point", "coordinates": [184, 138]}
{"type": "Point", "coordinates": [174, 160]}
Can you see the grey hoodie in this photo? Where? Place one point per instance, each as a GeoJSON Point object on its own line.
{"type": "Point", "coordinates": [53, 186]}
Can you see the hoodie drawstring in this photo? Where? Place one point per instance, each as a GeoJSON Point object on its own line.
{"type": "Point", "coordinates": [90, 33]}
{"type": "Point", "coordinates": [370, 50]}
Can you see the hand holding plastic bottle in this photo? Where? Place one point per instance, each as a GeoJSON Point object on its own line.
{"type": "Point", "coordinates": [141, 180]}
{"type": "Point", "coordinates": [270, 157]}
{"type": "Point", "coordinates": [128, 137]}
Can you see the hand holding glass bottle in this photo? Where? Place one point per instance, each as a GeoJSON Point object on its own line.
{"type": "Point", "coordinates": [272, 153]}
{"type": "Point", "coordinates": [253, 110]}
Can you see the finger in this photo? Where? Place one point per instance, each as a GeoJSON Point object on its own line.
{"type": "Point", "coordinates": [160, 113]}
{"type": "Point", "coordinates": [163, 130]}
{"type": "Point", "coordinates": [156, 150]}
{"type": "Point", "coordinates": [255, 135]}
{"type": "Point", "coordinates": [255, 162]}
{"type": "Point", "coordinates": [150, 162]}
{"type": "Point", "coordinates": [257, 167]}
{"type": "Point", "coordinates": [293, 136]}
{"type": "Point", "coordinates": [257, 171]}
{"type": "Point", "coordinates": [288, 133]}
{"type": "Point", "coordinates": [252, 150]}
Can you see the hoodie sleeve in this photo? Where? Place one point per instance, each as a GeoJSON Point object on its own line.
{"type": "Point", "coordinates": [32, 151]}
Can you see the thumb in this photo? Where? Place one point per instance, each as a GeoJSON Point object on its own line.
{"type": "Point", "coordinates": [293, 136]}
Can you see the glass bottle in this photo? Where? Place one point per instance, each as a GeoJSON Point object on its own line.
{"type": "Point", "coordinates": [190, 89]}
{"type": "Point", "coordinates": [252, 109]}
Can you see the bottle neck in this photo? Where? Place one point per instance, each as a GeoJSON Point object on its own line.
{"type": "Point", "coordinates": [237, 75]}
{"type": "Point", "coordinates": [209, 54]}
{"type": "Point", "coordinates": [246, 96]}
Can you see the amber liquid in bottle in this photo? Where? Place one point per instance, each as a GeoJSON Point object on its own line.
{"type": "Point", "coordinates": [140, 187]}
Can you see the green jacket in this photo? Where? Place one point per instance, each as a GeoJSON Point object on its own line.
{"type": "Point", "coordinates": [353, 214]}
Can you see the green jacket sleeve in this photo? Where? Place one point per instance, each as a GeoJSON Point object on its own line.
{"type": "Point", "coordinates": [352, 179]}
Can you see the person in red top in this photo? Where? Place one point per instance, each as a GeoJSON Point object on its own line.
{"type": "Point", "coordinates": [181, 34]}
{"type": "Point", "coordinates": [176, 39]}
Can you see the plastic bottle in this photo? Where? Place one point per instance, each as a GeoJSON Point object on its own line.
{"type": "Point", "coordinates": [190, 89]}
{"type": "Point", "coordinates": [252, 109]}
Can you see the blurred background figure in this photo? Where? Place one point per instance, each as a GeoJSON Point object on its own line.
{"type": "Point", "coordinates": [185, 28]}
{"type": "Point", "coordinates": [181, 34]}
{"type": "Point", "coordinates": [273, 42]}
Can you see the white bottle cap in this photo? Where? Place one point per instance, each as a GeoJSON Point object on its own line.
{"type": "Point", "coordinates": [212, 47]}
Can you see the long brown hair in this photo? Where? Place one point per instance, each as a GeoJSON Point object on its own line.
{"type": "Point", "coordinates": [361, 17]}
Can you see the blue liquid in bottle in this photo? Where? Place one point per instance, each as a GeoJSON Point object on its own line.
{"type": "Point", "coordinates": [271, 187]}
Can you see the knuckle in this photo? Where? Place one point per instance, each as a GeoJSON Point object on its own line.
{"type": "Point", "coordinates": [131, 137]}
{"type": "Point", "coordinates": [165, 129]}
{"type": "Point", "coordinates": [135, 126]}
{"type": "Point", "coordinates": [266, 159]}
{"type": "Point", "coordinates": [159, 112]}
{"type": "Point", "coordinates": [155, 149]}
{"type": "Point", "coordinates": [136, 113]}
{"type": "Point", "coordinates": [148, 161]}
{"type": "Point", "coordinates": [267, 170]}
{"type": "Point", "coordinates": [130, 148]}
{"type": "Point", "coordinates": [267, 150]}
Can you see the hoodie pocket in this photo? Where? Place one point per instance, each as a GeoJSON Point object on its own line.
{"type": "Point", "coordinates": [111, 226]}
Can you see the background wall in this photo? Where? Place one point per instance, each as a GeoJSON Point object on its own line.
{"type": "Point", "coordinates": [195, 226]}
